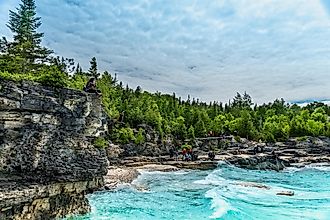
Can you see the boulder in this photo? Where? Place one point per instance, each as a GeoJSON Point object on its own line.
{"type": "Point", "coordinates": [116, 176]}
{"type": "Point", "coordinates": [258, 162]}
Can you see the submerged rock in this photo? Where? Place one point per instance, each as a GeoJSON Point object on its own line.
{"type": "Point", "coordinates": [254, 185]}
{"type": "Point", "coordinates": [285, 193]}
{"type": "Point", "coordinates": [141, 188]}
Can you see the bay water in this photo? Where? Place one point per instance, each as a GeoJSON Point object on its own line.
{"type": "Point", "coordinates": [223, 193]}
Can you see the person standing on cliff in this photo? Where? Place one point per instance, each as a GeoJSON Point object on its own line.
{"type": "Point", "coordinates": [91, 87]}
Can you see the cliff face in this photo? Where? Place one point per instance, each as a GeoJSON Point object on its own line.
{"type": "Point", "coordinates": [47, 161]}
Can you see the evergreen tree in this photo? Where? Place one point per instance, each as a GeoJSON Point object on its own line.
{"type": "Point", "coordinates": [93, 69]}
{"type": "Point", "coordinates": [191, 132]}
{"type": "Point", "coordinates": [78, 69]}
{"type": "Point", "coordinates": [26, 47]}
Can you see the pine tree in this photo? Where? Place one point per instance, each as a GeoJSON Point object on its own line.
{"type": "Point", "coordinates": [191, 132]}
{"type": "Point", "coordinates": [78, 70]}
{"type": "Point", "coordinates": [27, 41]}
{"type": "Point", "coordinates": [93, 69]}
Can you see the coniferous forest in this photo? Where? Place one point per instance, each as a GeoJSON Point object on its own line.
{"type": "Point", "coordinates": [24, 58]}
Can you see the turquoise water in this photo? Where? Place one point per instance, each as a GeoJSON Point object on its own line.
{"type": "Point", "coordinates": [218, 195]}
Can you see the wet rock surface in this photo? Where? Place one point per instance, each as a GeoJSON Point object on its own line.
{"type": "Point", "coordinates": [268, 156]}
{"type": "Point", "coordinates": [242, 153]}
{"type": "Point", "coordinates": [119, 175]}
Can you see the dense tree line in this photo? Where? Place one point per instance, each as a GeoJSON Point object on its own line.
{"type": "Point", "coordinates": [169, 115]}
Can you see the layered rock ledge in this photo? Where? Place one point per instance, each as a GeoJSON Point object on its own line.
{"type": "Point", "coordinates": [47, 161]}
{"type": "Point", "coordinates": [296, 152]}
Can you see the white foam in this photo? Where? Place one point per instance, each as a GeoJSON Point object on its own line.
{"type": "Point", "coordinates": [213, 179]}
{"type": "Point", "coordinates": [219, 204]}
{"type": "Point", "coordinates": [316, 166]}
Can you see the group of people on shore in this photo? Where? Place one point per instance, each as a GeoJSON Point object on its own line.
{"type": "Point", "coordinates": [187, 154]}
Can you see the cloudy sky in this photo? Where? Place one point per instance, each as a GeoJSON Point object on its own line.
{"type": "Point", "coordinates": [206, 48]}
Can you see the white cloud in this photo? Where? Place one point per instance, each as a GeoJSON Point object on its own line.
{"type": "Point", "coordinates": [206, 48]}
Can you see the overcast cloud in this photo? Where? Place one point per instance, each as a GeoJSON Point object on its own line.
{"type": "Point", "coordinates": [206, 48]}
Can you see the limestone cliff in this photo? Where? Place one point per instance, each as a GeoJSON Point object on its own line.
{"type": "Point", "coordinates": [47, 161]}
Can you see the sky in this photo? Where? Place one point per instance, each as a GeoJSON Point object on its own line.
{"type": "Point", "coordinates": [209, 49]}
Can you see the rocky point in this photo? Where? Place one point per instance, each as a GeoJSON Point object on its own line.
{"type": "Point", "coordinates": [47, 161]}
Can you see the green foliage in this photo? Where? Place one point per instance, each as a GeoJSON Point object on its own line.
{"type": "Point", "coordinates": [191, 132]}
{"type": "Point", "coordinates": [268, 137]}
{"type": "Point", "coordinates": [78, 81]}
{"type": "Point", "coordinates": [237, 139]}
{"type": "Point", "coordinates": [18, 77]}
{"type": "Point", "coordinates": [278, 127]}
{"type": "Point", "coordinates": [315, 128]}
{"type": "Point", "coordinates": [186, 146]}
{"type": "Point", "coordinates": [327, 129]}
{"type": "Point", "coordinates": [219, 123]}
{"type": "Point", "coordinates": [242, 102]}
{"type": "Point", "coordinates": [100, 142]}
{"type": "Point", "coordinates": [243, 125]}
{"type": "Point", "coordinates": [179, 129]}
{"type": "Point", "coordinates": [52, 76]}
{"type": "Point", "coordinates": [139, 138]}
{"type": "Point", "coordinates": [200, 129]}
{"type": "Point", "coordinates": [25, 53]}
{"type": "Point", "coordinates": [47, 75]}
{"type": "Point", "coordinates": [301, 139]}
{"type": "Point", "coordinates": [124, 135]}
{"type": "Point", "coordinates": [92, 72]}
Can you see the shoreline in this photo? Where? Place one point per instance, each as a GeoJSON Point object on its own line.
{"type": "Point", "coordinates": [242, 153]}
{"type": "Point", "coordinates": [119, 175]}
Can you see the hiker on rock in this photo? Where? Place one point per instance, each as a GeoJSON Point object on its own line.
{"type": "Point", "coordinates": [91, 87]}
{"type": "Point", "coordinates": [211, 155]}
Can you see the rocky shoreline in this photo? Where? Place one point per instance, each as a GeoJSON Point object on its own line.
{"type": "Point", "coordinates": [243, 153]}
{"type": "Point", "coordinates": [274, 156]}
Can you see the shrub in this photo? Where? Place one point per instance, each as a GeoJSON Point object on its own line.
{"type": "Point", "coordinates": [52, 76]}
{"type": "Point", "coordinates": [303, 138]}
{"type": "Point", "coordinates": [139, 138]}
{"type": "Point", "coordinates": [268, 137]}
{"type": "Point", "coordinates": [47, 75]}
{"type": "Point", "coordinates": [124, 135]}
{"type": "Point", "coordinates": [100, 142]}
{"type": "Point", "coordinates": [237, 139]}
{"type": "Point", "coordinates": [19, 77]}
